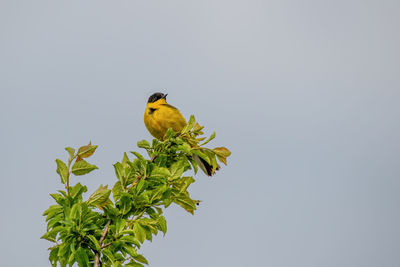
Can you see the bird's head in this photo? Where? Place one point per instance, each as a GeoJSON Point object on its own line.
{"type": "Point", "coordinates": [157, 96]}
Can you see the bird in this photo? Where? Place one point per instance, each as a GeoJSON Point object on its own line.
{"type": "Point", "coordinates": [159, 116]}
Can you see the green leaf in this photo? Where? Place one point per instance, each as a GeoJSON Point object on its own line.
{"type": "Point", "coordinates": [191, 121]}
{"type": "Point", "coordinates": [111, 211]}
{"type": "Point", "coordinates": [63, 192]}
{"type": "Point", "coordinates": [158, 193]}
{"type": "Point", "coordinates": [134, 264]}
{"type": "Point", "coordinates": [81, 257]}
{"type": "Point", "coordinates": [151, 212]}
{"type": "Point", "coordinates": [143, 198]}
{"type": "Point", "coordinates": [76, 211]}
{"type": "Point", "coordinates": [71, 152]}
{"type": "Point", "coordinates": [170, 133]}
{"type": "Point", "coordinates": [72, 259]}
{"type": "Point", "coordinates": [86, 151]}
{"type": "Point", "coordinates": [127, 231]}
{"type": "Point", "coordinates": [106, 252]}
{"type": "Point", "coordinates": [53, 257]}
{"type": "Point", "coordinates": [185, 148]}
{"type": "Point", "coordinates": [125, 204]}
{"type": "Point", "coordinates": [183, 183]}
{"type": "Point", "coordinates": [140, 232]}
{"type": "Point", "coordinates": [53, 211]}
{"type": "Point", "coordinates": [194, 165]}
{"type": "Point", "coordinates": [140, 157]}
{"type": "Point", "coordinates": [100, 196]}
{"type": "Point", "coordinates": [58, 198]}
{"type": "Point", "coordinates": [143, 144]}
{"type": "Point", "coordinates": [131, 250]}
{"type": "Point", "coordinates": [213, 160]}
{"type": "Point", "coordinates": [119, 172]}
{"type": "Point", "coordinates": [160, 172]}
{"type": "Point", "coordinates": [53, 233]}
{"type": "Point", "coordinates": [130, 240]}
{"type": "Point", "coordinates": [50, 209]}
{"type": "Point", "coordinates": [189, 126]}
{"type": "Point", "coordinates": [82, 167]}
{"type": "Point", "coordinates": [95, 242]}
{"type": "Point", "coordinates": [64, 249]}
{"type": "Point", "coordinates": [117, 190]}
{"type": "Point", "coordinates": [62, 170]}
{"type": "Point", "coordinates": [125, 160]}
{"type": "Point", "coordinates": [185, 202]}
{"type": "Point", "coordinates": [222, 159]}
{"type": "Point", "coordinates": [201, 155]}
{"type": "Point", "coordinates": [119, 225]}
{"type": "Point", "coordinates": [77, 190]}
{"type": "Point", "coordinates": [159, 210]}
{"type": "Point", "coordinates": [177, 169]}
{"type": "Point", "coordinates": [48, 237]}
{"type": "Point", "coordinates": [72, 247]}
{"type": "Point", "coordinates": [162, 223]}
{"type": "Point", "coordinates": [140, 186]}
{"type": "Point", "coordinates": [167, 202]}
{"type": "Point", "coordinates": [141, 259]}
{"type": "Point", "coordinates": [197, 127]}
{"type": "Point", "coordinates": [55, 220]}
{"type": "Point", "coordinates": [208, 140]}
{"type": "Point", "coordinates": [149, 233]}
{"type": "Point", "coordinates": [222, 151]}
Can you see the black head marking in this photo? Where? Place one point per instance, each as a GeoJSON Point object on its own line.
{"type": "Point", "coordinates": [156, 96]}
{"type": "Point", "coordinates": [151, 111]}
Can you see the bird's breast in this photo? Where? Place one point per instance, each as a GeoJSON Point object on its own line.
{"type": "Point", "coordinates": [158, 119]}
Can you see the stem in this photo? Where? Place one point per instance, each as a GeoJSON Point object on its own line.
{"type": "Point", "coordinates": [153, 158]}
{"type": "Point", "coordinates": [96, 259]}
{"type": "Point", "coordinates": [97, 253]}
{"type": "Point", "coordinates": [106, 245]}
{"type": "Point", "coordinates": [69, 172]}
{"type": "Point", "coordinates": [135, 219]}
{"type": "Point", "coordinates": [141, 176]}
{"type": "Point", "coordinates": [134, 183]}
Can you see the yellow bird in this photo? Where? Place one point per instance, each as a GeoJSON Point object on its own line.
{"type": "Point", "coordinates": [159, 116]}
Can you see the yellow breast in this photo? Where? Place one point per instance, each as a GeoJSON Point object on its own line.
{"type": "Point", "coordinates": [160, 116]}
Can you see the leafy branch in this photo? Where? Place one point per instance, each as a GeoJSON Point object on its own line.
{"type": "Point", "coordinates": [104, 231]}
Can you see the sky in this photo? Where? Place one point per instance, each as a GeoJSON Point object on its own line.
{"type": "Point", "coordinates": [304, 93]}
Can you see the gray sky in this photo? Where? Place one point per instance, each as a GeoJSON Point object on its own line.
{"type": "Point", "coordinates": [305, 94]}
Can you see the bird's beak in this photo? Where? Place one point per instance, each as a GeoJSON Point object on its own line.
{"type": "Point", "coordinates": [165, 96]}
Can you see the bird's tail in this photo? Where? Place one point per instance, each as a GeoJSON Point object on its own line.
{"type": "Point", "coordinates": [204, 166]}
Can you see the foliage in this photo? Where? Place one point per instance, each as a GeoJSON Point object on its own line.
{"type": "Point", "coordinates": [109, 231]}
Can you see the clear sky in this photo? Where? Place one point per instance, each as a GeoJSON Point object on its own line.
{"type": "Point", "coordinates": [306, 94]}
